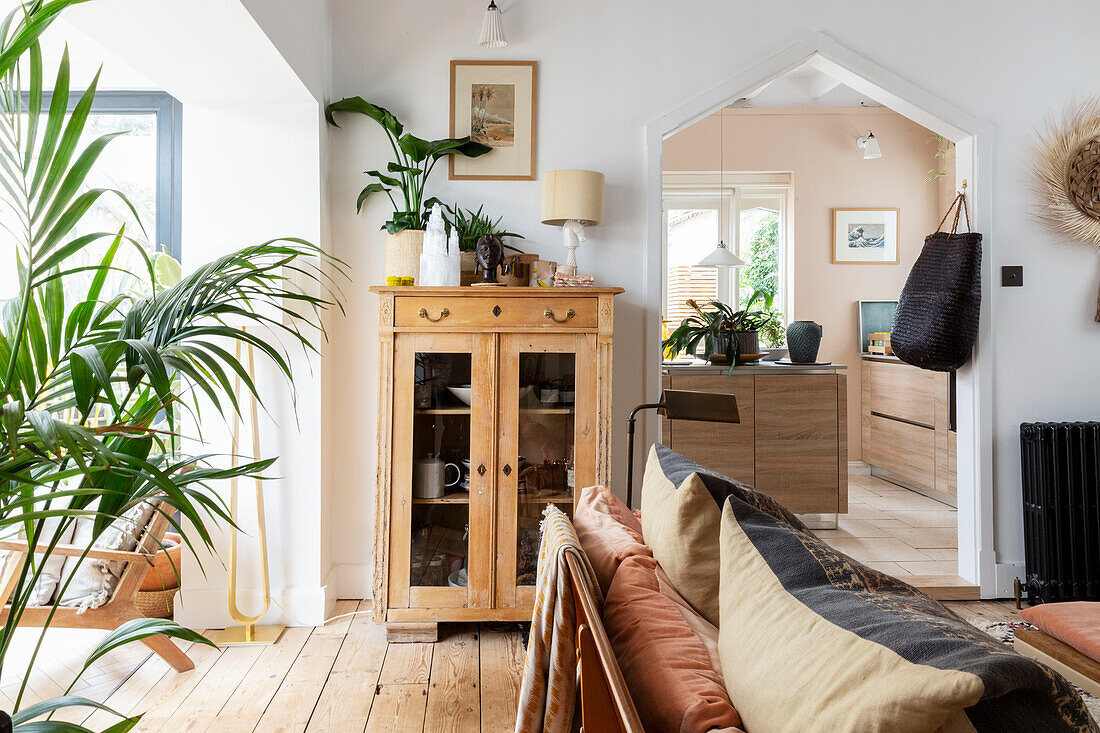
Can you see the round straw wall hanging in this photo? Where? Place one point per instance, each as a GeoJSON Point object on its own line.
{"type": "Point", "coordinates": [1067, 162]}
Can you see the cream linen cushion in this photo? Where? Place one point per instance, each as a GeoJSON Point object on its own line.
{"type": "Point", "coordinates": [93, 581]}
{"type": "Point", "coordinates": [681, 524]}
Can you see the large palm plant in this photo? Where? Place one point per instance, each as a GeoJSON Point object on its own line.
{"type": "Point", "coordinates": [92, 373]}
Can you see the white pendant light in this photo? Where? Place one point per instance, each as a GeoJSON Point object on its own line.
{"type": "Point", "coordinates": [869, 143]}
{"type": "Point", "coordinates": [492, 31]}
{"type": "Point", "coordinates": [722, 256]}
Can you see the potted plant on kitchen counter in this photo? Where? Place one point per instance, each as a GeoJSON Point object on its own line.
{"type": "Point", "coordinates": [721, 330]}
{"type": "Point", "coordinates": [414, 160]}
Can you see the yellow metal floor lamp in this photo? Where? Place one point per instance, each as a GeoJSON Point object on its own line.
{"type": "Point", "coordinates": [248, 632]}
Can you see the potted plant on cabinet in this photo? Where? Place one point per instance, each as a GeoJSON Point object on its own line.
{"type": "Point", "coordinates": [473, 225]}
{"type": "Point", "coordinates": [414, 160]}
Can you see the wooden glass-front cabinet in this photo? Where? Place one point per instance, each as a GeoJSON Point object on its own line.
{"type": "Point", "coordinates": [492, 404]}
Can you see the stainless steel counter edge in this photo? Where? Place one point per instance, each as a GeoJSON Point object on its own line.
{"type": "Point", "coordinates": [761, 368]}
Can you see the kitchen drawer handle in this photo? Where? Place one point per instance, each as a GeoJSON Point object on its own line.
{"type": "Point", "coordinates": [443, 313]}
{"type": "Point", "coordinates": [550, 314]}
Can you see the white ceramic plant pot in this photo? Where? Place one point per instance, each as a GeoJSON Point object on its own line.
{"type": "Point", "coordinates": [403, 253]}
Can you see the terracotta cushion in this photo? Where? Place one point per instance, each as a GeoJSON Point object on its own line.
{"type": "Point", "coordinates": [1075, 623]}
{"type": "Point", "coordinates": [608, 532]}
{"type": "Point", "coordinates": [667, 667]}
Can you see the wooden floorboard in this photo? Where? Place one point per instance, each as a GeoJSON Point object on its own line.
{"type": "Point", "coordinates": [250, 701]}
{"type": "Point", "coordinates": [454, 697]}
{"type": "Point", "coordinates": [502, 656]}
{"type": "Point", "coordinates": [398, 709]}
{"type": "Point", "coordinates": [348, 693]}
{"type": "Point", "coordinates": [345, 677]}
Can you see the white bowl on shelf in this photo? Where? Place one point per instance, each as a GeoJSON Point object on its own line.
{"type": "Point", "coordinates": [462, 392]}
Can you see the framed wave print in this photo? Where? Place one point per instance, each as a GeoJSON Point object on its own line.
{"type": "Point", "coordinates": [865, 236]}
{"type": "Point", "coordinates": [494, 103]}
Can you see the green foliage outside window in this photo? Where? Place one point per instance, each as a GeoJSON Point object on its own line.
{"type": "Point", "coordinates": [761, 275]}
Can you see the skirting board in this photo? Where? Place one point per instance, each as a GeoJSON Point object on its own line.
{"type": "Point", "coordinates": [209, 608]}
{"type": "Point", "coordinates": [859, 468]}
{"type": "Point", "coordinates": [1007, 572]}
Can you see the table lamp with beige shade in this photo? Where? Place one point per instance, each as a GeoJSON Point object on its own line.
{"type": "Point", "coordinates": [572, 199]}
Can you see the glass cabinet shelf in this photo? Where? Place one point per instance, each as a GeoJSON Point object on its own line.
{"type": "Point", "coordinates": [458, 497]}
{"type": "Point", "coordinates": [444, 411]}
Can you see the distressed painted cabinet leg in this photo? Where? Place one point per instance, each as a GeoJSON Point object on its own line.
{"type": "Point", "coordinates": [492, 404]}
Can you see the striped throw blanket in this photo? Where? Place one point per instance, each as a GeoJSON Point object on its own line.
{"type": "Point", "coordinates": [548, 695]}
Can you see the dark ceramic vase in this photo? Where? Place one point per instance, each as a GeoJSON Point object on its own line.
{"type": "Point", "coordinates": [803, 341]}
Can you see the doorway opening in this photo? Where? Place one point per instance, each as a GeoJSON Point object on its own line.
{"type": "Point", "coordinates": [830, 77]}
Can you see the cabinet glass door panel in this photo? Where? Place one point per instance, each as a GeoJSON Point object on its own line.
{"type": "Point", "coordinates": [546, 382]}
{"type": "Point", "coordinates": [439, 498]}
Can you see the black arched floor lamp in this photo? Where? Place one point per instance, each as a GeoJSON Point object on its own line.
{"type": "Point", "coordinates": [680, 404]}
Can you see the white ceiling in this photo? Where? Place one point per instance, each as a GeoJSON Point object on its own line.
{"type": "Point", "coordinates": [805, 86]}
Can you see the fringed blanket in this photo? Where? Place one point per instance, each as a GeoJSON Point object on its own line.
{"type": "Point", "coordinates": [548, 695]}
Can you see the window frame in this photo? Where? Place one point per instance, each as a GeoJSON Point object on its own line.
{"type": "Point", "coordinates": [715, 187]}
{"type": "Point", "coordinates": [169, 186]}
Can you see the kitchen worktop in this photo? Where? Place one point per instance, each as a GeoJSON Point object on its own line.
{"type": "Point", "coordinates": [761, 367]}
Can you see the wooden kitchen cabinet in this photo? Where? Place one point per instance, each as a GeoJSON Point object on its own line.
{"type": "Point", "coordinates": [908, 437]}
{"type": "Point", "coordinates": [792, 441]}
{"type": "Point", "coordinates": [516, 384]}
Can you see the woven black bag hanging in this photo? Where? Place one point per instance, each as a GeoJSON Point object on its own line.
{"type": "Point", "coordinates": [936, 322]}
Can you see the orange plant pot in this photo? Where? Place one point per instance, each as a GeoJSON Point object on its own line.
{"type": "Point", "coordinates": [164, 573]}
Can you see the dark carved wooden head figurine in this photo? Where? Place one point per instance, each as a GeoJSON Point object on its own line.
{"type": "Point", "coordinates": [490, 257]}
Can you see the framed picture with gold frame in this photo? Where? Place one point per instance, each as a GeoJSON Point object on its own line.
{"type": "Point", "coordinates": [866, 236]}
{"type": "Point", "coordinates": [494, 102]}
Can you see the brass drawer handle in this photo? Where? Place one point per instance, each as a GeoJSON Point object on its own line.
{"type": "Point", "coordinates": [443, 313]}
{"type": "Point", "coordinates": [550, 314]}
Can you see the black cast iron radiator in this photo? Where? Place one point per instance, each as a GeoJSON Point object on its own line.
{"type": "Point", "coordinates": [1061, 472]}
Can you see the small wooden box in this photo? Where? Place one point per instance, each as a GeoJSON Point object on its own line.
{"type": "Point", "coordinates": [879, 343]}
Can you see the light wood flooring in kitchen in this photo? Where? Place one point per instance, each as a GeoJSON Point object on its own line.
{"type": "Point", "coordinates": [903, 533]}
{"type": "Point", "coordinates": [342, 677]}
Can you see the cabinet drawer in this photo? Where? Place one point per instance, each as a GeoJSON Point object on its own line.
{"type": "Point", "coordinates": [493, 313]}
{"type": "Point", "coordinates": [906, 451]}
{"type": "Point", "coordinates": [903, 391]}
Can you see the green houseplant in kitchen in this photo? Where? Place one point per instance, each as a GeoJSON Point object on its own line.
{"type": "Point", "coordinates": [99, 366]}
{"type": "Point", "coordinates": [473, 225]}
{"type": "Point", "coordinates": [407, 174]}
{"type": "Point", "coordinates": [720, 329]}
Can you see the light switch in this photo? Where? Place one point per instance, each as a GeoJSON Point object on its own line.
{"type": "Point", "coordinates": [1012, 276]}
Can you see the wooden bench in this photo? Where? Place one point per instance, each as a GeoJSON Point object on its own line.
{"type": "Point", "coordinates": [118, 610]}
{"type": "Point", "coordinates": [605, 702]}
{"type": "Point", "coordinates": [1061, 657]}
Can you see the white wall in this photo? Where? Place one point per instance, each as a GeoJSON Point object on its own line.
{"type": "Point", "coordinates": [608, 68]}
{"type": "Point", "coordinates": [253, 162]}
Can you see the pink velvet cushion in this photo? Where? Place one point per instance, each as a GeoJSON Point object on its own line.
{"type": "Point", "coordinates": [1076, 623]}
{"type": "Point", "coordinates": [668, 668]}
{"type": "Point", "coordinates": [608, 532]}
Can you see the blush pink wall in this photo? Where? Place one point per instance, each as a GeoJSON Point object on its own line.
{"type": "Point", "coordinates": [827, 171]}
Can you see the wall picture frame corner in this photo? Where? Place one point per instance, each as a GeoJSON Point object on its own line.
{"type": "Point", "coordinates": [866, 236]}
{"type": "Point", "coordinates": [495, 103]}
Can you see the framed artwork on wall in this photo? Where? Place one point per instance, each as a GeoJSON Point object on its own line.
{"type": "Point", "coordinates": [865, 236]}
{"type": "Point", "coordinates": [494, 103]}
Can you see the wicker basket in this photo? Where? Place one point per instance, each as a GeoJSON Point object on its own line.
{"type": "Point", "coordinates": [156, 603]}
